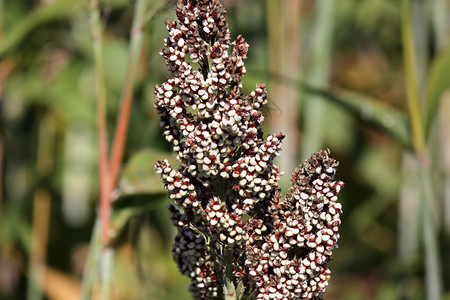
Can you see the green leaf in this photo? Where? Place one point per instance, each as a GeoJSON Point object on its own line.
{"type": "Point", "coordinates": [140, 188]}
{"type": "Point", "coordinates": [368, 110]}
{"type": "Point", "coordinates": [46, 13]}
{"type": "Point", "coordinates": [137, 201]}
{"type": "Point", "coordinates": [14, 228]}
{"type": "Point", "coordinates": [437, 84]}
{"type": "Point", "coordinates": [67, 95]}
{"type": "Point", "coordinates": [128, 207]}
{"type": "Point", "coordinates": [139, 175]}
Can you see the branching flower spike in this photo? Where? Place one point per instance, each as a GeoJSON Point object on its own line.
{"type": "Point", "coordinates": [238, 237]}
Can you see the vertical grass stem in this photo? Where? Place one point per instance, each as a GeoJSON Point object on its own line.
{"type": "Point", "coordinates": [415, 115]}
{"type": "Point", "coordinates": [105, 206]}
{"type": "Point", "coordinates": [315, 109]}
{"type": "Point", "coordinates": [127, 93]}
{"type": "Point", "coordinates": [433, 278]}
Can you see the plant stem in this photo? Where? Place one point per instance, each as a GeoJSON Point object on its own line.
{"type": "Point", "coordinates": [105, 189]}
{"type": "Point", "coordinates": [409, 212]}
{"type": "Point", "coordinates": [290, 100]}
{"type": "Point", "coordinates": [229, 290]}
{"type": "Point", "coordinates": [107, 272]}
{"type": "Point", "coordinates": [2, 17]}
{"type": "Point", "coordinates": [315, 109]}
{"type": "Point", "coordinates": [127, 96]}
{"type": "Point", "coordinates": [100, 251]}
{"type": "Point", "coordinates": [284, 24]}
{"type": "Point", "coordinates": [92, 263]}
{"type": "Point", "coordinates": [38, 253]}
{"type": "Point", "coordinates": [441, 22]}
{"type": "Point", "coordinates": [433, 270]}
{"type": "Point", "coordinates": [2, 146]}
{"type": "Point", "coordinates": [6, 67]}
{"type": "Point", "coordinates": [433, 279]}
{"type": "Point", "coordinates": [443, 123]}
{"type": "Point", "coordinates": [415, 115]}
{"type": "Point", "coordinates": [41, 208]}
{"type": "Point", "coordinates": [277, 117]}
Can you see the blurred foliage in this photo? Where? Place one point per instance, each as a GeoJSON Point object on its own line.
{"type": "Point", "coordinates": [48, 137]}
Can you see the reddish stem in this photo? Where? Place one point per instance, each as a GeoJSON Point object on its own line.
{"type": "Point", "coordinates": [127, 96]}
{"type": "Point", "coordinates": [120, 134]}
{"type": "Point", "coordinates": [105, 187]}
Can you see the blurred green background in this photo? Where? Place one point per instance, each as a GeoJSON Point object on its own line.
{"type": "Point", "coordinates": [338, 77]}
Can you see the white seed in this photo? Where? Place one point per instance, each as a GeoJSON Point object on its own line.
{"type": "Point", "coordinates": [190, 127]}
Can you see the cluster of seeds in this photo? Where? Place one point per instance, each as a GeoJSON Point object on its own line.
{"type": "Point", "coordinates": [228, 210]}
{"type": "Point", "coordinates": [305, 231]}
{"type": "Point", "coordinates": [255, 173]}
{"type": "Point", "coordinates": [227, 227]}
{"type": "Point", "coordinates": [180, 188]}
{"type": "Point", "coordinates": [192, 256]}
{"type": "Point", "coordinates": [203, 112]}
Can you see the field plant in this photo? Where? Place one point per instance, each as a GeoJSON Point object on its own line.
{"type": "Point", "coordinates": [238, 237]}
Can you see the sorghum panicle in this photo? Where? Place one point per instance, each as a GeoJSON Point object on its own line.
{"type": "Point", "coordinates": [227, 205]}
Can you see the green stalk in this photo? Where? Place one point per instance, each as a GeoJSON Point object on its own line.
{"type": "Point", "coordinates": [105, 190]}
{"type": "Point", "coordinates": [433, 279]}
{"type": "Point", "coordinates": [441, 22]}
{"type": "Point", "coordinates": [109, 172]}
{"type": "Point", "coordinates": [99, 258]}
{"type": "Point", "coordinates": [100, 249]}
{"type": "Point", "coordinates": [92, 264]}
{"type": "Point", "coordinates": [280, 120]}
{"type": "Point", "coordinates": [289, 100]}
{"type": "Point", "coordinates": [415, 115]}
{"type": "Point", "coordinates": [107, 272]}
{"type": "Point", "coordinates": [409, 216]}
{"type": "Point", "coordinates": [41, 209]}
{"type": "Point", "coordinates": [2, 149]}
{"type": "Point", "coordinates": [229, 290]}
{"type": "Point", "coordinates": [420, 16]}
{"type": "Point", "coordinates": [315, 109]}
{"type": "Point", "coordinates": [444, 159]}
{"type": "Point", "coordinates": [2, 17]}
